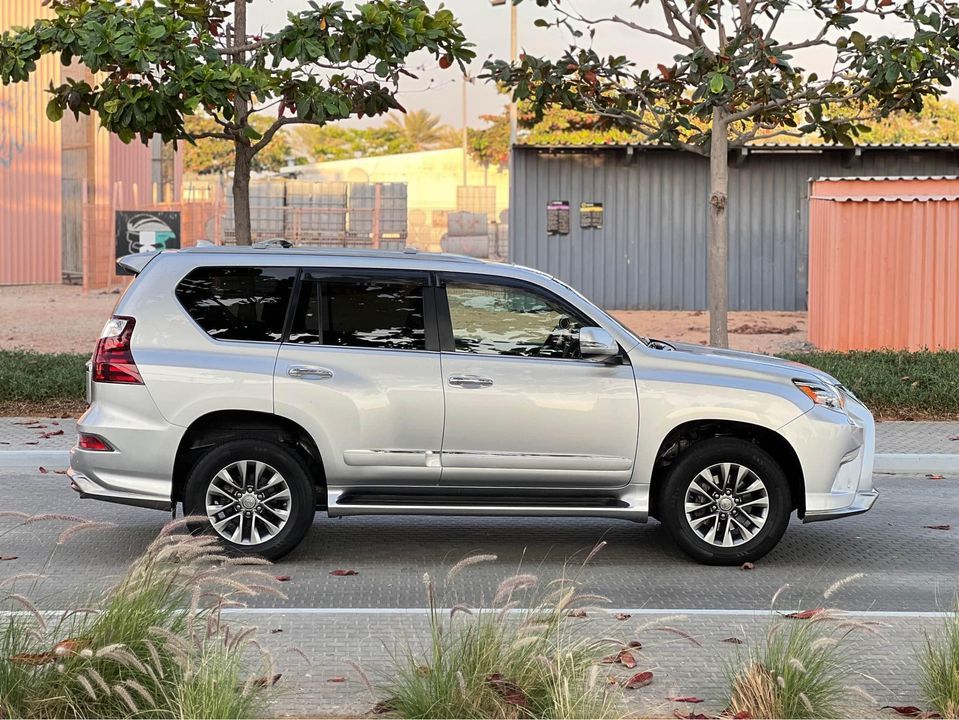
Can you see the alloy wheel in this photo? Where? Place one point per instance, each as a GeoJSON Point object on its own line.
{"type": "Point", "coordinates": [726, 504]}
{"type": "Point", "coordinates": [248, 502]}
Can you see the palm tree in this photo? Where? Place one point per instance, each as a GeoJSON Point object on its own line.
{"type": "Point", "coordinates": [420, 128]}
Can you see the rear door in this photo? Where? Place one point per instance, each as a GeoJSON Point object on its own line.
{"type": "Point", "coordinates": [361, 372]}
{"type": "Point", "coordinates": [523, 408]}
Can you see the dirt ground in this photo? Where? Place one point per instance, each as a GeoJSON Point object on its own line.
{"type": "Point", "coordinates": [61, 318]}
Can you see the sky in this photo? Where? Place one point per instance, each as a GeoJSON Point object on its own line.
{"type": "Point", "coordinates": [440, 91]}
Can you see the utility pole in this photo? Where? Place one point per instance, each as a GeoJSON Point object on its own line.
{"type": "Point", "coordinates": [466, 80]}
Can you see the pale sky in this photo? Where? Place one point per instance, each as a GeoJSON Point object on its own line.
{"type": "Point", "coordinates": [440, 91]}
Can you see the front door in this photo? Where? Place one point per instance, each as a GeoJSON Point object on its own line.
{"type": "Point", "coordinates": [523, 408]}
{"type": "Point", "coordinates": [361, 372]}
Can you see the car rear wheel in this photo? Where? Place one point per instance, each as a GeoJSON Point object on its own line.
{"type": "Point", "coordinates": [256, 495]}
{"type": "Point", "coordinates": [726, 501]}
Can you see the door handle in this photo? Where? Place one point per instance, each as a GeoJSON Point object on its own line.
{"type": "Point", "coordinates": [309, 373]}
{"type": "Point", "coordinates": [470, 381]}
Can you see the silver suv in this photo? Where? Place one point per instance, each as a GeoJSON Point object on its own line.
{"type": "Point", "coordinates": [255, 386]}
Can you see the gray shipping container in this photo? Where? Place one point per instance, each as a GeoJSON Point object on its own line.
{"type": "Point", "coordinates": [650, 251]}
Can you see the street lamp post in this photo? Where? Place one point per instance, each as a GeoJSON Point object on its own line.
{"type": "Point", "coordinates": [513, 57]}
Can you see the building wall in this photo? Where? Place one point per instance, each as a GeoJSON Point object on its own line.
{"type": "Point", "coordinates": [651, 252]}
{"type": "Point", "coordinates": [884, 264]}
{"type": "Point", "coordinates": [29, 167]}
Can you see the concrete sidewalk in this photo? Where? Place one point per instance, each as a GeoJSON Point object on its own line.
{"type": "Point", "coordinates": [914, 447]}
{"type": "Point", "coordinates": [883, 657]}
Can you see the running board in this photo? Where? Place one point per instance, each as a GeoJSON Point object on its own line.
{"type": "Point", "coordinates": [340, 503]}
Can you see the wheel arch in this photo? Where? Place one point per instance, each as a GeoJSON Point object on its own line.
{"type": "Point", "coordinates": [687, 434]}
{"type": "Point", "coordinates": [222, 425]}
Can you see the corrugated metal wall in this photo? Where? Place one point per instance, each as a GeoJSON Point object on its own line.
{"type": "Point", "coordinates": [29, 167]}
{"type": "Point", "coordinates": [651, 252]}
{"type": "Point", "coordinates": [884, 264]}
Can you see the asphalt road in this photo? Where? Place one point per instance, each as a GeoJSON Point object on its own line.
{"type": "Point", "coordinates": [908, 567]}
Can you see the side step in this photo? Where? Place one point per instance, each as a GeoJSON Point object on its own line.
{"type": "Point", "coordinates": [341, 503]}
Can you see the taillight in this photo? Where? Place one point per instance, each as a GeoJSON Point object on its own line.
{"type": "Point", "coordinates": [92, 442]}
{"type": "Point", "coordinates": [113, 360]}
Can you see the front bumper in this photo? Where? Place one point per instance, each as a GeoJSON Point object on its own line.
{"type": "Point", "coordinates": [863, 503]}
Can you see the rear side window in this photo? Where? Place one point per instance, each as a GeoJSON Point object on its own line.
{"type": "Point", "coordinates": [238, 303]}
{"type": "Point", "coordinates": [361, 312]}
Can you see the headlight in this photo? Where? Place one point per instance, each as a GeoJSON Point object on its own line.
{"type": "Point", "coordinates": [822, 394]}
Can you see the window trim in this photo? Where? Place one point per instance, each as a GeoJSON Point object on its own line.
{"type": "Point", "coordinates": [445, 320]}
{"type": "Point", "coordinates": [212, 338]}
{"type": "Point", "coordinates": [319, 274]}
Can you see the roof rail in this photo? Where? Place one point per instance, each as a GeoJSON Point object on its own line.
{"type": "Point", "coordinates": [272, 243]}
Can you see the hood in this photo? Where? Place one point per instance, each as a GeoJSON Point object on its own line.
{"type": "Point", "coordinates": [746, 361]}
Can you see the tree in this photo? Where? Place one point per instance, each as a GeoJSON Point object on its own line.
{"type": "Point", "coordinates": [339, 143]}
{"type": "Point", "coordinates": [156, 62]}
{"type": "Point", "coordinates": [214, 155]}
{"type": "Point", "coordinates": [734, 79]}
{"type": "Point", "coordinates": [420, 128]}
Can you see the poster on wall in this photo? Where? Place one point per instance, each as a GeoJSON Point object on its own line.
{"type": "Point", "coordinates": [557, 217]}
{"type": "Point", "coordinates": [591, 216]}
{"type": "Point", "coordinates": [146, 231]}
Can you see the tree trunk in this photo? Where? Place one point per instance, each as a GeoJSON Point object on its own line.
{"type": "Point", "coordinates": [718, 267]}
{"type": "Point", "coordinates": [241, 194]}
{"type": "Point", "coordinates": [244, 157]}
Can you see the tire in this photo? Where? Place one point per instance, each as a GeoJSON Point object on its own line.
{"type": "Point", "coordinates": [752, 532]}
{"type": "Point", "coordinates": [272, 522]}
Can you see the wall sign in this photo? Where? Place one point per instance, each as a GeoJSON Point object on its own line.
{"type": "Point", "coordinates": [146, 231]}
{"type": "Point", "coordinates": [557, 217]}
{"type": "Point", "coordinates": [591, 216]}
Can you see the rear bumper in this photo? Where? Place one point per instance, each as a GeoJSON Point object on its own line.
{"type": "Point", "coordinates": [89, 489]}
{"type": "Point", "coordinates": [863, 503]}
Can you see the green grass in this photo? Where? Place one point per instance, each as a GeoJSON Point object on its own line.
{"type": "Point", "coordinates": [33, 383]}
{"type": "Point", "coordinates": [939, 665]}
{"type": "Point", "coordinates": [895, 385]}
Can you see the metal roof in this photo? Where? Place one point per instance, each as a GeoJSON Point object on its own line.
{"type": "Point", "coordinates": [879, 178]}
{"type": "Point", "coordinates": [752, 148]}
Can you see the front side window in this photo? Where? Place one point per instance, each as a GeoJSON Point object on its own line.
{"type": "Point", "coordinates": [360, 312]}
{"type": "Point", "coordinates": [238, 303]}
{"type": "Point", "coordinates": [505, 320]}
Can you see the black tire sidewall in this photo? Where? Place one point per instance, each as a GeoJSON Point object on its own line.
{"type": "Point", "coordinates": [281, 458]}
{"type": "Point", "coordinates": [710, 452]}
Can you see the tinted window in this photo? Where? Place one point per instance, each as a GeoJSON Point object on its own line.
{"type": "Point", "coordinates": [361, 312]}
{"type": "Point", "coordinates": [502, 320]}
{"type": "Point", "coordinates": [238, 303]}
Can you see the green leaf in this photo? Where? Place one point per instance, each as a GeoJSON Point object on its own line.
{"type": "Point", "coordinates": [54, 111]}
{"type": "Point", "coordinates": [717, 83]}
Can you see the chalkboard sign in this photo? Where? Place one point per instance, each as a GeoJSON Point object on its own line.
{"type": "Point", "coordinates": [591, 216]}
{"type": "Point", "coordinates": [146, 231]}
{"type": "Point", "coordinates": [557, 217]}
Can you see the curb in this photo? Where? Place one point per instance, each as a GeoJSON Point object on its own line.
{"type": "Point", "coordinates": [890, 463]}
{"type": "Point", "coordinates": [901, 463]}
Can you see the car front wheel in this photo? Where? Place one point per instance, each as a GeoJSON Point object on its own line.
{"type": "Point", "coordinates": [726, 501]}
{"type": "Point", "coordinates": [256, 495]}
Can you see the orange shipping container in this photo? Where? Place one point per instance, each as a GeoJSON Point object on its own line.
{"type": "Point", "coordinates": [884, 263]}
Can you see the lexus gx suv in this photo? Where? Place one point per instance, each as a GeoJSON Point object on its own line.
{"type": "Point", "coordinates": [255, 386]}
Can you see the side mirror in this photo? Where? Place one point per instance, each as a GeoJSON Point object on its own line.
{"type": "Point", "coordinates": [596, 342]}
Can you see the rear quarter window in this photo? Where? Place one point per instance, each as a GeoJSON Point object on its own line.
{"type": "Point", "coordinates": [238, 303]}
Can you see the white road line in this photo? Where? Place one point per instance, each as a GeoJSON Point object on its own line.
{"type": "Point", "coordinates": [693, 612]}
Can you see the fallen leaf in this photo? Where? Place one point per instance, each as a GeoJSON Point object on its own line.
{"type": "Point", "coordinates": [60, 472]}
{"type": "Point", "coordinates": [938, 527]}
{"type": "Point", "coordinates": [32, 442]}
{"type": "Point", "coordinates": [681, 633]}
{"type": "Point", "coordinates": [907, 710]}
{"type": "Point", "coordinates": [954, 437]}
{"type": "Point", "coordinates": [43, 470]}
{"type": "Point", "coordinates": [577, 613]}
{"type": "Point", "coordinates": [635, 644]}
{"type": "Point", "coordinates": [805, 614]}
{"type": "Point", "coordinates": [383, 707]}
{"type": "Point", "coordinates": [282, 578]}
{"type": "Point", "coordinates": [36, 427]}
{"type": "Point", "coordinates": [33, 658]}
{"type": "Point", "coordinates": [932, 476]}
{"type": "Point", "coordinates": [343, 573]}
{"type": "Point", "coordinates": [274, 631]}
{"type": "Point", "coordinates": [747, 566]}
{"type": "Point", "coordinates": [626, 659]}
{"type": "Point", "coordinates": [742, 715]}
{"type": "Point", "coordinates": [266, 680]}
{"type": "Point", "coordinates": [733, 641]}
{"type": "Point", "coordinates": [690, 699]}
{"type": "Point", "coordinates": [25, 422]}
{"type": "Point", "coordinates": [336, 679]}
{"type": "Point", "coordinates": [639, 680]}
{"type": "Point", "coordinates": [7, 557]}
{"type": "Point", "coordinates": [610, 660]}
{"type": "Point", "coordinates": [4, 442]}
{"type": "Point", "coordinates": [622, 616]}
{"type": "Point", "coordinates": [508, 690]}
{"type": "Point", "coordinates": [690, 716]}
{"type": "Point", "coordinates": [51, 434]}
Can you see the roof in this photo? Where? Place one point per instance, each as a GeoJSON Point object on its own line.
{"type": "Point", "coordinates": [880, 178]}
{"type": "Point", "coordinates": [786, 148]}
{"type": "Point", "coordinates": [408, 253]}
